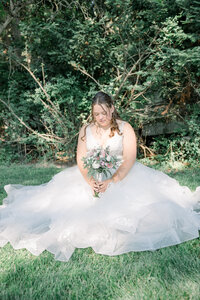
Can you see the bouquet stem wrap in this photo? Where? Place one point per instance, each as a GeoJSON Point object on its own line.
{"type": "Point", "coordinates": [99, 178]}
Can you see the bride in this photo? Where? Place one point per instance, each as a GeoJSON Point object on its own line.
{"type": "Point", "coordinates": [139, 209]}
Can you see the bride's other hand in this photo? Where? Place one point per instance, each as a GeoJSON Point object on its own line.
{"type": "Point", "coordinates": [103, 185]}
{"type": "Point", "coordinates": [94, 185]}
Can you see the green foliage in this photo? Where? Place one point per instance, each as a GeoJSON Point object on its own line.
{"type": "Point", "coordinates": [182, 147]}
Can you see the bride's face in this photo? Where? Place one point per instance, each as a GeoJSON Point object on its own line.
{"type": "Point", "coordinates": [102, 114]}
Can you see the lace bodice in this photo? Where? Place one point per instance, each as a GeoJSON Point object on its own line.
{"type": "Point", "coordinates": [115, 143]}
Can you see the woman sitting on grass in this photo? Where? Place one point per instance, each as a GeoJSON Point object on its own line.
{"type": "Point", "coordinates": [136, 208]}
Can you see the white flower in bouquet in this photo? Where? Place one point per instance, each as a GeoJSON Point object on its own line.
{"type": "Point", "coordinates": [108, 158]}
{"type": "Point", "coordinates": [95, 165]}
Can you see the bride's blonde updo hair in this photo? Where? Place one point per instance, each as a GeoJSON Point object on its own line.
{"type": "Point", "coordinates": [102, 98]}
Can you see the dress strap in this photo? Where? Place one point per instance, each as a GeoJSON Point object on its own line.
{"type": "Point", "coordinates": [121, 126]}
{"type": "Point", "coordinates": [88, 132]}
{"type": "Point", "coordinates": [90, 142]}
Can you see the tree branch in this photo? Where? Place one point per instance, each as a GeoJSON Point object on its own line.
{"type": "Point", "coordinates": [53, 109]}
{"type": "Point", "coordinates": [143, 56]}
{"type": "Point", "coordinates": [46, 137]}
{"type": "Point", "coordinates": [86, 73]}
{"type": "Point", "coordinates": [13, 11]}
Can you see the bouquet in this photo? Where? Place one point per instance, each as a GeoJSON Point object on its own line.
{"type": "Point", "coordinates": [99, 162]}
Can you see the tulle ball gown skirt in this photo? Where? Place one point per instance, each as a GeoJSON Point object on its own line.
{"type": "Point", "coordinates": [147, 210]}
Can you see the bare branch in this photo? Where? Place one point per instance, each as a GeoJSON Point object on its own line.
{"type": "Point", "coordinates": [53, 109]}
{"type": "Point", "coordinates": [46, 137]}
{"type": "Point", "coordinates": [5, 24]}
{"type": "Point", "coordinates": [86, 73]}
{"type": "Point", "coordinates": [11, 5]}
{"type": "Point", "coordinates": [43, 75]}
{"type": "Point", "coordinates": [143, 56]}
{"type": "Point", "coordinates": [13, 13]}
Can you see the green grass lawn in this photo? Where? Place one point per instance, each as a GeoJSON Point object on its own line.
{"type": "Point", "coordinates": [168, 273]}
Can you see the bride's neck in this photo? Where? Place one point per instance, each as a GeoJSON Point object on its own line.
{"type": "Point", "coordinates": [103, 128]}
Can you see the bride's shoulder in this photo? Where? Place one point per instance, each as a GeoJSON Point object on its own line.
{"type": "Point", "coordinates": [85, 127]}
{"type": "Point", "coordinates": [83, 132]}
{"type": "Point", "coordinates": [125, 126]}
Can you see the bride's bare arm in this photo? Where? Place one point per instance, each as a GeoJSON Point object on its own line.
{"type": "Point", "coordinates": [129, 153]}
{"type": "Point", "coordinates": [81, 152]}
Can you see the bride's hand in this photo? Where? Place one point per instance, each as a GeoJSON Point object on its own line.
{"type": "Point", "coordinates": [103, 185]}
{"type": "Point", "coordinates": [94, 185]}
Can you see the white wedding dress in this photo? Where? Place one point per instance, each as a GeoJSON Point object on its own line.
{"type": "Point", "coordinates": [147, 210]}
